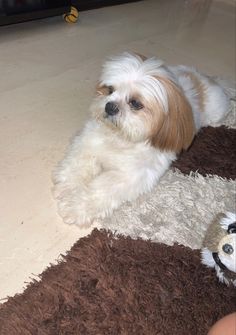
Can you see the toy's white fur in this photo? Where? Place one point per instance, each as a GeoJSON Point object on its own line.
{"type": "Point", "coordinates": [118, 157]}
{"type": "Point", "coordinates": [227, 220]}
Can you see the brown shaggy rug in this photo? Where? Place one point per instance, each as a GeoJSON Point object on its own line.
{"type": "Point", "coordinates": [114, 285]}
{"type": "Point", "coordinates": [109, 284]}
{"type": "Point", "coordinates": [213, 151]}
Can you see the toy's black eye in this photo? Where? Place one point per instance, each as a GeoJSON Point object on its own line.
{"type": "Point", "coordinates": [110, 90]}
{"type": "Point", "coordinates": [228, 249]}
{"type": "Point", "coordinates": [135, 104]}
{"type": "Point", "coordinates": [232, 228]}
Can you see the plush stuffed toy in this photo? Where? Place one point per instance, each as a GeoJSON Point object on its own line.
{"type": "Point", "coordinates": [72, 15]}
{"type": "Point", "coordinates": [219, 247]}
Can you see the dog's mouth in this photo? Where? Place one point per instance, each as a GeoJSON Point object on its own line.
{"type": "Point", "coordinates": [111, 119]}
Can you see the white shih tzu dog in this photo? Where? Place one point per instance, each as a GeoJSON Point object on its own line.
{"type": "Point", "coordinates": [144, 114]}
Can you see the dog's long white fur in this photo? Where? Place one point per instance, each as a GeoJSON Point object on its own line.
{"type": "Point", "coordinates": [114, 158]}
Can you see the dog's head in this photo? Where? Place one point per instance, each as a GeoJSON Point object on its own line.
{"type": "Point", "coordinates": [139, 98]}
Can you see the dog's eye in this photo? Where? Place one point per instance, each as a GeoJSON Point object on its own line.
{"type": "Point", "coordinates": [228, 249]}
{"type": "Point", "coordinates": [110, 90]}
{"type": "Point", "coordinates": [135, 104]}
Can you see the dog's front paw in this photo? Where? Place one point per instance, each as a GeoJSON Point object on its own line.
{"type": "Point", "coordinates": [75, 210]}
{"type": "Point", "coordinates": [60, 190]}
{"type": "Point", "coordinates": [65, 191]}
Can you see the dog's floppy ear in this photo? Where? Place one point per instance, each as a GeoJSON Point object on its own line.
{"type": "Point", "coordinates": [177, 129]}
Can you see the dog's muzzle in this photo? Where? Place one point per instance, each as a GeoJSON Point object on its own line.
{"type": "Point", "coordinates": [111, 108]}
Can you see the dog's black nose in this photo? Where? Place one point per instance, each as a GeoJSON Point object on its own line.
{"type": "Point", "coordinates": [111, 108]}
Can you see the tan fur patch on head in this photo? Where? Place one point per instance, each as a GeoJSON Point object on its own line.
{"type": "Point", "coordinates": [214, 233]}
{"type": "Point", "coordinates": [175, 130]}
{"type": "Point", "coordinates": [201, 89]}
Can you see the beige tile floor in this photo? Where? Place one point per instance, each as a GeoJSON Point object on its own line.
{"type": "Point", "coordinates": [48, 70]}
